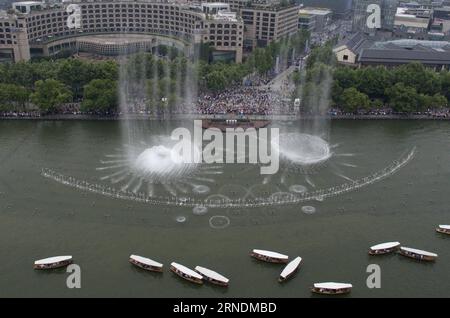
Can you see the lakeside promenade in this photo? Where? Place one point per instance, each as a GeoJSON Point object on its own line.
{"type": "Point", "coordinates": [63, 117]}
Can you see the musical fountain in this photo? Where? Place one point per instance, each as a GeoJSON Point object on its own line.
{"type": "Point", "coordinates": [147, 169]}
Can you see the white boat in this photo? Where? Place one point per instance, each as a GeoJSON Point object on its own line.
{"type": "Point", "coordinates": [290, 269]}
{"type": "Point", "coordinates": [445, 229]}
{"type": "Point", "coordinates": [268, 256]}
{"type": "Point", "coordinates": [331, 288]}
{"type": "Point", "coordinates": [146, 263]}
{"type": "Point", "coordinates": [212, 276]}
{"type": "Point", "coordinates": [186, 273]}
{"type": "Point", "coordinates": [418, 254]}
{"type": "Point", "coordinates": [384, 248]}
{"type": "Point", "coordinates": [53, 262]}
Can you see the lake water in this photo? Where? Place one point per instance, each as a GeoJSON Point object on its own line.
{"type": "Point", "coordinates": [40, 217]}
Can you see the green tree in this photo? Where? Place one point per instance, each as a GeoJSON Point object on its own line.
{"type": "Point", "coordinates": [402, 98]}
{"type": "Point", "coordinates": [13, 97]}
{"type": "Point", "coordinates": [100, 96]}
{"type": "Point", "coordinates": [74, 74]}
{"type": "Point", "coordinates": [346, 77]}
{"type": "Point", "coordinates": [445, 84]}
{"type": "Point", "coordinates": [439, 101]}
{"type": "Point", "coordinates": [353, 100]}
{"type": "Point", "coordinates": [377, 104]}
{"type": "Point", "coordinates": [416, 75]}
{"type": "Point", "coordinates": [373, 81]}
{"type": "Point", "coordinates": [216, 81]}
{"type": "Point", "coordinates": [49, 94]}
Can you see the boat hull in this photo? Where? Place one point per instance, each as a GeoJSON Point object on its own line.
{"type": "Point", "coordinates": [269, 259]}
{"type": "Point", "coordinates": [186, 277]}
{"type": "Point", "coordinates": [53, 266]}
{"type": "Point", "coordinates": [330, 292]}
{"type": "Point", "coordinates": [146, 267]}
{"type": "Point", "coordinates": [384, 251]}
{"type": "Point", "coordinates": [215, 282]}
{"type": "Point", "coordinates": [443, 231]}
{"type": "Point", "coordinates": [222, 125]}
{"type": "Point", "coordinates": [418, 257]}
{"type": "Point", "coordinates": [283, 279]}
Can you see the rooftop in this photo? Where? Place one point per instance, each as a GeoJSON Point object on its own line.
{"type": "Point", "coordinates": [404, 51]}
{"type": "Point", "coordinates": [315, 11]}
{"type": "Point", "coordinates": [225, 16]}
{"type": "Point", "coordinates": [356, 42]}
{"type": "Point", "coordinates": [24, 3]}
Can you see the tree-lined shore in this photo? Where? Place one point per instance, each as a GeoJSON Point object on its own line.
{"type": "Point", "coordinates": [406, 89]}
{"type": "Point", "coordinates": [47, 85]}
{"type": "Point", "coordinates": [71, 85]}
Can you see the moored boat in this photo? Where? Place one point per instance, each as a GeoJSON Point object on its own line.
{"type": "Point", "coordinates": [186, 273]}
{"type": "Point", "coordinates": [331, 288]}
{"type": "Point", "coordinates": [290, 269]}
{"type": "Point", "coordinates": [53, 262]}
{"type": "Point", "coordinates": [224, 124]}
{"type": "Point", "coordinates": [384, 248]}
{"type": "Point", "coordinates": [268, 256]}
{"type": "Point", "coordinates": [146, 263]}
{"type": "Point", "coordinates": [212, 276]}
{"type": "Point", "coordinates": [418, 254]}
{"type": "Point", "coordinates": [444, 229]}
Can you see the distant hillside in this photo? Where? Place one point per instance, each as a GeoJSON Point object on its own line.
{"type": "Point", "coordinates": [338, 6]}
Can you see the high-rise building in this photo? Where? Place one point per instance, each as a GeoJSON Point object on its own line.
{"type": "Point", "coordinates": [388, 10]}
{"type": "Point", "coordinates": [268, 23]}
{"type": "Point", "coordinates": [362, 12]}
{"type": "Point", "coordinates": [42, 30]}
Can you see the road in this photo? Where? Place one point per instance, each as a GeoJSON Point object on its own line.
{"type": "Point", "coordinates": [281, 82]}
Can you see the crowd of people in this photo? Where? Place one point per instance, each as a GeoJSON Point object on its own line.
{"type": "Point", "coordinates": [20, 114]}
{"type": "Point", "coordinates": [389, 112]}
{"type": "Point", "coordinates": [243, 101]}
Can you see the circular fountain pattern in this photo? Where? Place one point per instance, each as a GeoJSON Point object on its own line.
{"type": "Point", "coordinates": [155, 173]}
{"type": "Point", "coordinates": [302, 149]}
{"type": "Point", "coordinates": [307, 209]}
{"type": "Point", "coordinates": [180, 219]}
{"type": "Point", "coordinates": [297, 188]}
{"type": "Point", "coordinates": [219, 222]}
{"type": "Point", "coordinates": [200, 210]}
{"type": "Point", "coordinates": [160, 163]}
{"type": "Point", "coordinates": [201, 189]}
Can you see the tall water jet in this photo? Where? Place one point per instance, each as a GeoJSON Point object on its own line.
{"type": "Point", "coordinates": [315, 90]}
{"type": "Point", "coordinates": [132, 93]}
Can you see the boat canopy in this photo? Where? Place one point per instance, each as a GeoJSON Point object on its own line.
{"type": "Point", "coordinates": [383, 246]}
{"type": "Point", "coordinates": [420, 252]}
{"type": "Point", "coordinates": [331, 285]}
{"type": "Point", "coordinates": [292, 266]}
{"type": "Point", "coordinates": [53, 260]}
{"type": "Point", "coordinates": [145, 261]}
{"type": "Point", "coordinates": [444, 227]}
{"type": "Point", "coordinates": [271, 254]}
{"type": "Point", "coordinates": [211, 274]}
{"type": "Point", "coordinates": [186, 270]}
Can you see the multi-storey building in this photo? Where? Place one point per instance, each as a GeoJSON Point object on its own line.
{"type": "Point", "coordinates": [441, 20]}
{"type": "Point", "coordinates": [362, 12]}
{"type": "Point", "coordinates": [314, 19]}
{"type": "Point", "coordinates": [237, 5]}
{"type": "Point", "coordinates": [415, 20]}
{"type": "Point", "coordinates": [268, 23]}
{"type": "Point", "coordinates": [46, 31]}
{"type": "Point", "coordinates": [13, 38]}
